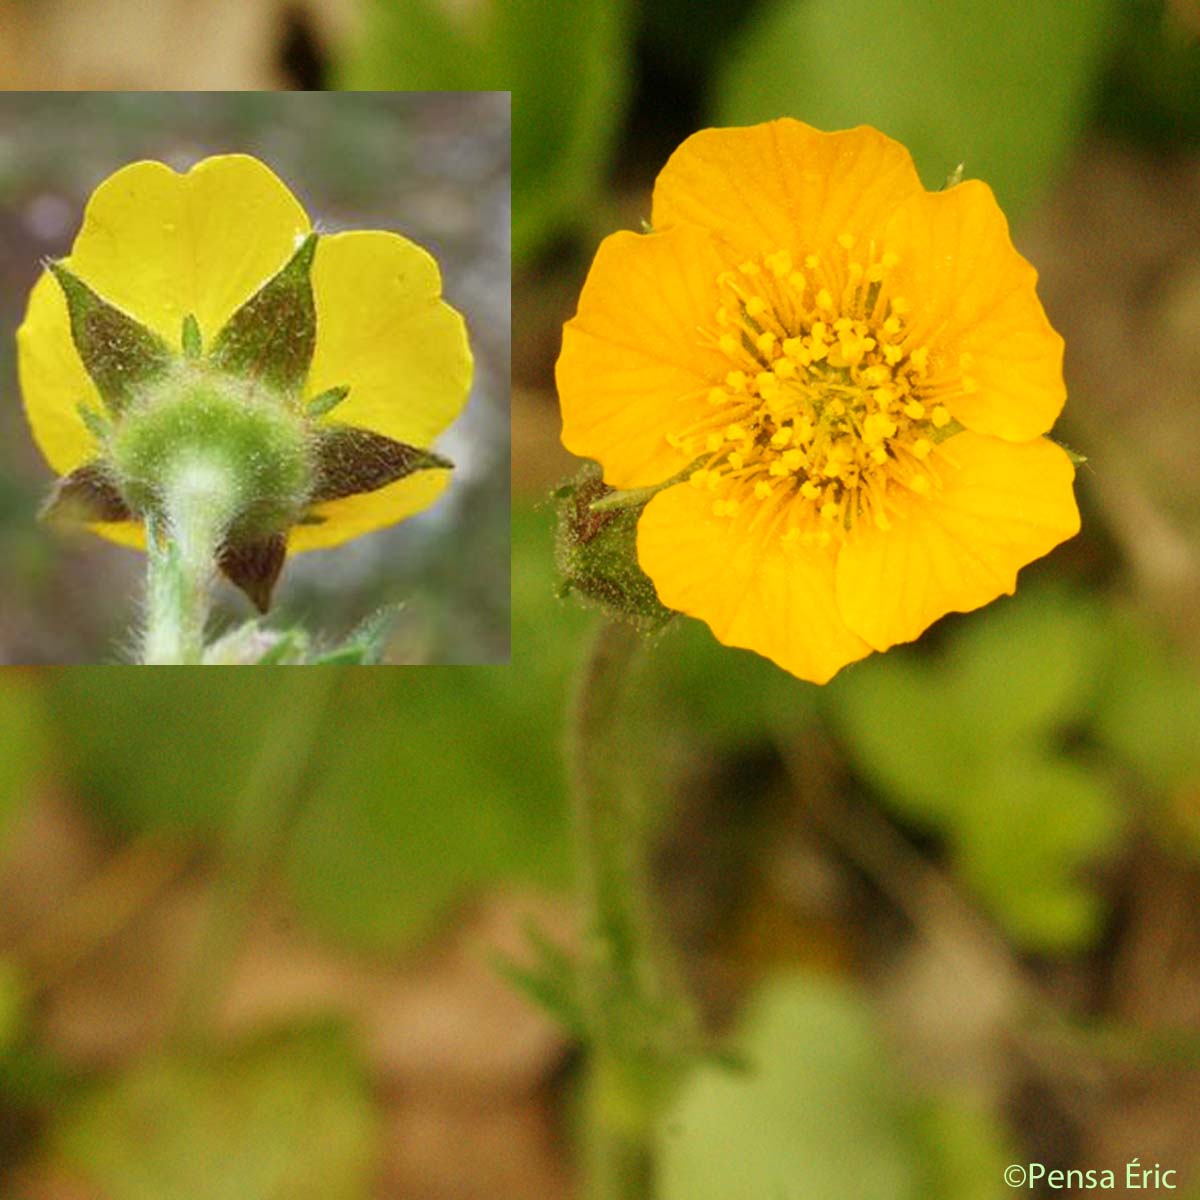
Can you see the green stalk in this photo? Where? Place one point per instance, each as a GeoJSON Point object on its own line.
{"type": "Point", "coordinates": [181, 556]}
{"type": "Point", "coordinates": [632, 1007]}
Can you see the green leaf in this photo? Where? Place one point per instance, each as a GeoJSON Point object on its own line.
{"type": "Point", "coordinates": [566, 63]}
{"type": "Point", "coordinates": [286, 1118]}
{"type": "Point", "coordinates": [818, 1114]}
{"type": "Point", "coordinates": [929, 72]}
{"type": "Point", "coordinates": [962, 1149]}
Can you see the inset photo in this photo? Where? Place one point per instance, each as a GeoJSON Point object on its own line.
{"type": "Point", "coordinates": [255, 349]}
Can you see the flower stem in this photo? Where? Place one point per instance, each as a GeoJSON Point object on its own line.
{"type": "Point", "coordinates": [632, 1008]}
{"type": "Point", "coordinates": [261, 816]}
{"type": "Point", "coordinates": [181, 553]}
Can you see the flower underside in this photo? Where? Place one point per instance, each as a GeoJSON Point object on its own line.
{"type": "Point", "coordinates": [830, 410]}
{"type": "Point", "coordinates": [236, 407]}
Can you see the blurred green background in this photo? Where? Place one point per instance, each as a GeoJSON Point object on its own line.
{"type": "Point", "coordinates": [433, 167]}
{"type": "Point", "coordinates": [945, 906]}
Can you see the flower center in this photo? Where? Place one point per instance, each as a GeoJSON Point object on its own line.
{"type": "Point", "coordinates": [830, 409]}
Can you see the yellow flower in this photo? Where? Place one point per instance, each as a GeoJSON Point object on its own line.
{"type": "Point", "coordinates": [160, 246]}
{"type": "Point", "coordinates": [849, 374]}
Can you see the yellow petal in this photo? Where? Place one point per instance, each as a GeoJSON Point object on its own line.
{"type": "Point", "coordinates": [752, 590]}
{"type": "Point", "coordinates": [971, 292]}
{"type": "Point", "coordinates": [1000, 506]}
{"type": "Point", "coordinates": [53, 381]}
{"type": "Point", "coordinates": [160, 245]}
{"type": "Point", "coordinates": [384, 330]}
{"type": "Point", "coordinates": [354, 515]}
{"type": "Point", "coordinates": [634, 367]}
{"type": "Point", "coordinates": [784, 185]}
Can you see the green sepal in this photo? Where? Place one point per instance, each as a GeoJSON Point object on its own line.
{"type": "Point", "coordinates": [86, 494]}
{"type": "Point", "coordinates": [120, 354]}
{"type": "Point", "coordinates": [97, 424]}
{"type": "Point", "coordinates": [253, 565]}
{"type": "Point", "coordinates": [349, 460]}
{"type": "Point", "coordinates": [271, 337]}
{"type": "Point", "coordinates": [365, 646]}
{"type": "Point", "coordinates": [190, 338]}
{"type": "Point", "coordinates": [596, 552]}
{"type": "Point", "coordinates": [327, 401]}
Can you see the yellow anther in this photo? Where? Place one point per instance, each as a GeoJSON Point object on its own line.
{"type": "Point", "coordinates": [920, 357]}
{"type": "Point", "coordinates": [779, 467]}
{"type": "Point", "coordinates": [824, 299]}
{"type": "Point", "coordinates": [812, 262]}
{"type": "Point", "coordinates": [892, 354]}
{"type": "Point", "coordinates": [940, 416]}
{"type": "Point", "coordinates": [876, 374]}
{"type": "Point", "coordinates": [890, 259]}
{"type": "Point", "coordinates": [767, 384]}
{"type": "Point", "coordinates": [735, 460]}
{"type": "Point", "coordinates": [756, 306]}
{"type": "Point", "coordinates": [736, 380]}
{"type": "Point", "coordinates": [835, 408]}
{"type": "Point", "coordinates": [875, 272]}
{"type": "Point", "coordinates": [893, 325]}
{"type": "Point", "coordinates": [804, 430]}
{"type": "Point", "coordinates": [714, 441]}
{"type": "Point", "coordinates": [793, 459]}
{"type": "Point", "coordinates": [729, 344]}
{"type": "Point", "coordinates": [785, 368]}
{"type": "Point", "coordinates": [881, 520]}
{"type": "Point", "coordinates": [723, 315]}
{"type": "Point", "coordinates": [879, 455]}
{"type": "Point", "coordinates": [843, 324]}
{"type": "Point", "coordinates": [820, 331]}
{"type": "Point", "coordinates": [899, 305]}
{"type": "Point", "coordinates": [780, 263]}
{"type": "Point", "coordinates": [877, 427]}
{"type": "Point", "coordinates": [734, 432]}
{"type": "Point", "coordinates": [781, 437]}
{"type": "Point", "coordinates": [766, 341]}
{"type": "Point", "coordinates": [914, 409]}
{"type": "Point", "coordinates": [699, 477]}
{"type": "Point", "coordinates": [846, 241]}
{"type": "Point", "coordinates": [762, 490]}
{"type": "Point", "coordinates": [830, 511]}
{"type": "Point", "coordinates": [921, 447]}
{"type": "Point", "coordinates": [791, 535]}
{"type": "Point", "coordinates": [810, 490]}
{"type": "Point", "coordinates": [749, 268]}
{"type": "Point", "coordinates": [717, 396]}
{"type": "Point", "coordinates": [966, 360]}
{"type": "Point", "coordinates": [823, 538]}
{"type": "Point", "coordinates": [884, 396]}
{"type": "Point", "coordinates": [792, 346]}
{"type": "Point", "coordinates": [855, 271]}
{"type": "Point", "coordinates": [920, 484]}
{"type": "Point", "coordinates": [969, 384]}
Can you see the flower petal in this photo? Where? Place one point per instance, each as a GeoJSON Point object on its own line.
{"type": "Point", "coordinates": [367, 511]}
{"type": "Point", "coordinates": [973, 293]}
{"type": "Point", "coordinates": [384, 330]}
{"type": "Point", "coordinates": [53, 380]}
{"type": "Point", "coordinates": [634, 366]}
{"type": "Point", "coordinates": [784, 185]}
{"type": "Point", "coordinates": [1000, 506]}
{"type": "Point", "coordinates": [161, 245]}
{"type": "Point", "coordinates": [751, 589]}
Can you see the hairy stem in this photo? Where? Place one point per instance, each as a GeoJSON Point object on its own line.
{"type": "Point", "coordinates": [181, 554]}
{"type": "Point", "coordinates": [632, 1010]}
